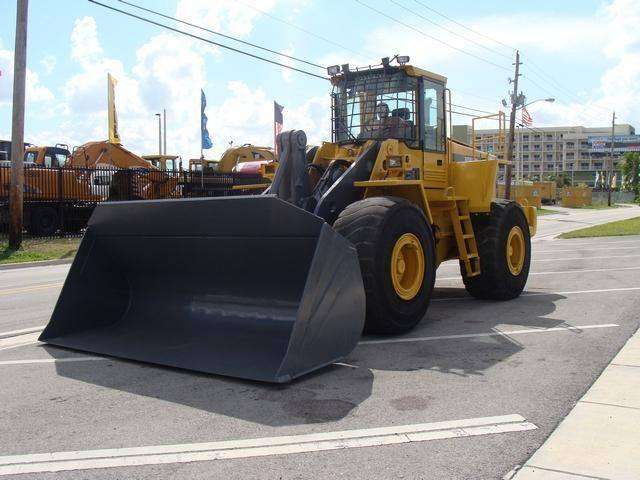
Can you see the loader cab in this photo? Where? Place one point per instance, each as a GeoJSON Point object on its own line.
{"type": "Point", "coordinates": [167, 163]}
{"type": "Point", "coordinates": [50, 157]}
{"type": "Point", "coordinates": [393, 102]}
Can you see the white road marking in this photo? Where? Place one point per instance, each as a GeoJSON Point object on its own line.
{"type": "Point", "coordinates": [259, 447]}
{"type": "Point", "coordinates": [52, 360]}
{"type": "Point", "coordinates": [590, 270]}
{"type": "Point", "coordinates": [14, 333]}
{"type": "Point", "coordinates": [583, 258]}
{"type": "Point", "coordinates": [497, 333]}
{"type": "Point", "coordinates": [535, 294]}
{"type": "Point", "coordinates": [19, 341]}
{"type": "Point", "coordinates": [573, 250]}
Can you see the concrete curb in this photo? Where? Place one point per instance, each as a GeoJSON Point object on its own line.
{"type": "Point", "coordinates": [599, 438]}
{"type": "Point", "coordinates": [41, 263]}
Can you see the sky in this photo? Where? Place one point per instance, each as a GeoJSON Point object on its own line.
{"type": "Point", "coordinates": [583, 53]}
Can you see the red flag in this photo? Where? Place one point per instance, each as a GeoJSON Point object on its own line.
{"type": "Point", "coordinates": [278, 120]}
{"type": "Point", "coordinates": [526, 118]}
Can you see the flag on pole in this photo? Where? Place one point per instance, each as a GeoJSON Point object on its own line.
{"type": "Point", "coordinates": [596, 181]}
{"type": "Point", "coordinates": [114, 135]}
{"type": "Point", "coordinates": [614, 182]}
{"type": "Point", "coordinates": [278, 120]}
{"type": "Point", "coordinates": [205, 139]}
{"type": "Point", "coordinates": [526, 117]}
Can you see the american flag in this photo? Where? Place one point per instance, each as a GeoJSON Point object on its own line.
{"type": "Point", "coordinates": [277, 124]}
{"type": "Point", "coordinates": [526, 118]}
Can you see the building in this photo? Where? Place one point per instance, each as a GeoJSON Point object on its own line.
{"type": "Point", "coordinates": [578, 151]}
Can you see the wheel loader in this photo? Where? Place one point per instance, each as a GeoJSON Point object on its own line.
{"type": "Point", "coordinates": [346, 239]}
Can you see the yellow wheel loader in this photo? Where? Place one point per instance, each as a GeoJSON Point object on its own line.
{"type": "Point", "coordinates": [271, 287]}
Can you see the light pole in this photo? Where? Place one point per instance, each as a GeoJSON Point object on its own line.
{"type": "Point", "coordinates": [550, 100]}
{"type": "Point", "coordinates": [159, 133]}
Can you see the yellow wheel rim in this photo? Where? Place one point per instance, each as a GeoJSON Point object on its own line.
{"type": "Point", "coordinates": [407, 266]}
{"type": "Point", "coordinates": [515, 251]}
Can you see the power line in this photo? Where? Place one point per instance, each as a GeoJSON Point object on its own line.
{"type": "Point", "coordinates": [257, 57]}
{"type": "Point", "coordinates": [222, 34]}
{"type": "Point", "coordinates": [472, 109]}
{"type": "Point", "coordinates": [413, 12]}
{"type": "Point", "coordinates": [406, 25]}
{"type": "Point", "coordinates": [297, 27]}
{"type": "Point", "coordinates": [463, 26]}
{"type": "Point", "coordinates": [548, 78]}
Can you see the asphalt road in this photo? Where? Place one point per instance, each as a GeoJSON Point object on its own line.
{"type": "Point", "coordinates": [581, 304]}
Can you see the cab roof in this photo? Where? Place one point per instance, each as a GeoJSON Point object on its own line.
{"type": "Point", "coordinates": [409, 69]}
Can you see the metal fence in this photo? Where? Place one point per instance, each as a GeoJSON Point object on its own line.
{"type": "Point", "coordinates": [58, 201]}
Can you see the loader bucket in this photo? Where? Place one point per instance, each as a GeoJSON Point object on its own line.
{"type": "Point", "coordinates": [248, 287]}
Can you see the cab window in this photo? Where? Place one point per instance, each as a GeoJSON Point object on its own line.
{"type": "Point", "coordinates": [30, 157]}
{"type": "Point", "coordinates": [61, 159]}
{"type": "Point", "coordinates": [433, 116]}
{"type": "Point", "coordinates": [48, 160]}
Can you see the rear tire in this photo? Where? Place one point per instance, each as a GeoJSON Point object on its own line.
{"type": "Point", "coordinates": [386, 231]}
{"type": "Point", "coordinates": [504, 245]}
{"type": "Point", "coordinates": [43, 222]}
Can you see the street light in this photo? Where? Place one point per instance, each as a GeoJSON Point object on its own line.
{"type": "Point", "coordinates": [550, 100]}
{"type": "Point", "coordinates": [159, 133]}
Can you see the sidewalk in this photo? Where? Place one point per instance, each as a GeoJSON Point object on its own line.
{"type": "Point", "coordinates": [600, 438]}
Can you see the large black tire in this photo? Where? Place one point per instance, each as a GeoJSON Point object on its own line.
{"type": "Point", "coordinates": [43, 222]}
{"type": "Point", "coordinates": [496, 281]}
{"type": "Point", "coordinates": [373, 226]}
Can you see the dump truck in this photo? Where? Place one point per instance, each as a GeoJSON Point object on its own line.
{"type": "Point", "coordinates": [271, 287]}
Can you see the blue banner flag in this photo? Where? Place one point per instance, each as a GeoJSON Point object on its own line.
{"type": "Point", "coordinates": [204, 133]}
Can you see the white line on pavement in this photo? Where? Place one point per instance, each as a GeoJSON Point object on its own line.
{"type": "Point", "coordinates": [590, 270]}
{"type": "Point", "coordinates": [535, 294]}
{"type": "Point", "coordinates": [52, 360]}
{"type": "Point", "coordinates": [573, 250]}
{"type": "Point", "coordinates": [19, 341]}
{"type": "Point", "coordinates": [14, 333]}
{"type": "Point", "coordinates": [497, 333]}
{"type": "Point", "coordinates": [30, 288]}
{"type": "Point", "coordinates": [258, 447]}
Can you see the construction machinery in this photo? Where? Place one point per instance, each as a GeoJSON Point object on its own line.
{"type": "Point", "coordinates": [246, 169]}
{"type": "Point", "coordinates": [62, 188]}
{"type": "Point", "coordinates": [273, 286]}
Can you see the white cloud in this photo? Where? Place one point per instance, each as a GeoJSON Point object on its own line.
{"type": "Point", "coordinates": [48, 63]}
{"type": "Point", "coordinates": [35, 91]}
{"type": "Point", "coordinates": [85, 46]}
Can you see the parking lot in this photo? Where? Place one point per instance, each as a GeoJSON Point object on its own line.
{"type": "Point", "coordinates": [471, 393]}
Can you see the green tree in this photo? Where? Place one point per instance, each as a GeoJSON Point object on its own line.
{"type": "Point", "coordinates": [630, 168]}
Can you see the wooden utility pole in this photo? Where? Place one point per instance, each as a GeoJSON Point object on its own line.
{"type": "Point", "coordinates": [17, 126]}
{"type": "Point", "coordinates": [613, 129]}
{"type": "Point", "coordinates": [512, 125]}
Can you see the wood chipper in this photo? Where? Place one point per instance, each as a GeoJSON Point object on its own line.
{"type": "Point", "coordinates": [273, 286]}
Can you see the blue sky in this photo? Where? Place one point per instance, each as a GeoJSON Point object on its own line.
{"type": "Point", "coordinates": [591, 49]}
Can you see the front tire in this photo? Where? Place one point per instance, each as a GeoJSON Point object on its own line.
{"type": "Point", "coordinates": [504, 245]}
{"type": "Point", "coordinates": [396, 250]}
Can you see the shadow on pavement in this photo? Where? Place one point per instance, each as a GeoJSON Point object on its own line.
{"type": "Point", "coordinates": [324, 396]}
{"type": "Point", "coordinates": [334, 392]}
{"type": "Point", "coordinates": [453, 312]}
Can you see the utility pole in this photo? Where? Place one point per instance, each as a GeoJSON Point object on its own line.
{"type": "Point", "coordinates": [613, 128]}
{"type": "Point", "coordinates": [512, 125]}
{"type": "Point", "coordinates": [16, 193]}
{"type": "Point", "coordinates": [164, 129]}
{"type": "Point", "coordinates": [159, 133]}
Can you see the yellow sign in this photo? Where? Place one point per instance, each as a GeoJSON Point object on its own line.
{"type": "Point", "coordinates": [114, 135]}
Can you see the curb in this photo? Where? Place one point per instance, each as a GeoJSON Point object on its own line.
{"type": "Point", "coordinates": [41, 263]}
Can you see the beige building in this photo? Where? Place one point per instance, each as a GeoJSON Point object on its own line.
{"type": "Point", "coordinates": [548, 150]}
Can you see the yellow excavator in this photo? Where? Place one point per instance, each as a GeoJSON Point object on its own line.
{"type": "Point", "coordinates": [273, 286]}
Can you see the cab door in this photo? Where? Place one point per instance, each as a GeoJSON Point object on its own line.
{"type": "Point", "coordinates": [433, 131]}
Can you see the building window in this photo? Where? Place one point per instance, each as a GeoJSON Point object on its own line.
{"type": "Point", "coordinates": [549, 136]}
{"type": "Point", "coordinates": [597, 165]}
{"type": "Point", "coordinates": [536, 147]}
{"type": "Point", "coordinates": [570, 145]}
{"type": "Point", "coordinates": [536, 156]}
{"type": "Point", "coordinates": [525, 138]}
{"type": "Point", "coordinates": [569, 155]}
{"type": "Point", "coordinates": [525, 157]}
{"type": "Point", "coordinates": [549, 156]}
{"type": "Point", "coordinates": [584, 164]}
{"type": "Point", "coordinates": [536, 137]}
{"type": "Point", "coordinates": [549, 146]}
{"type": "Point", "coordinates": [525, 148]}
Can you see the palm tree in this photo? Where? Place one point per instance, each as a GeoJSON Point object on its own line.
{"type": "Point", "coordinates": [630, 168]}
